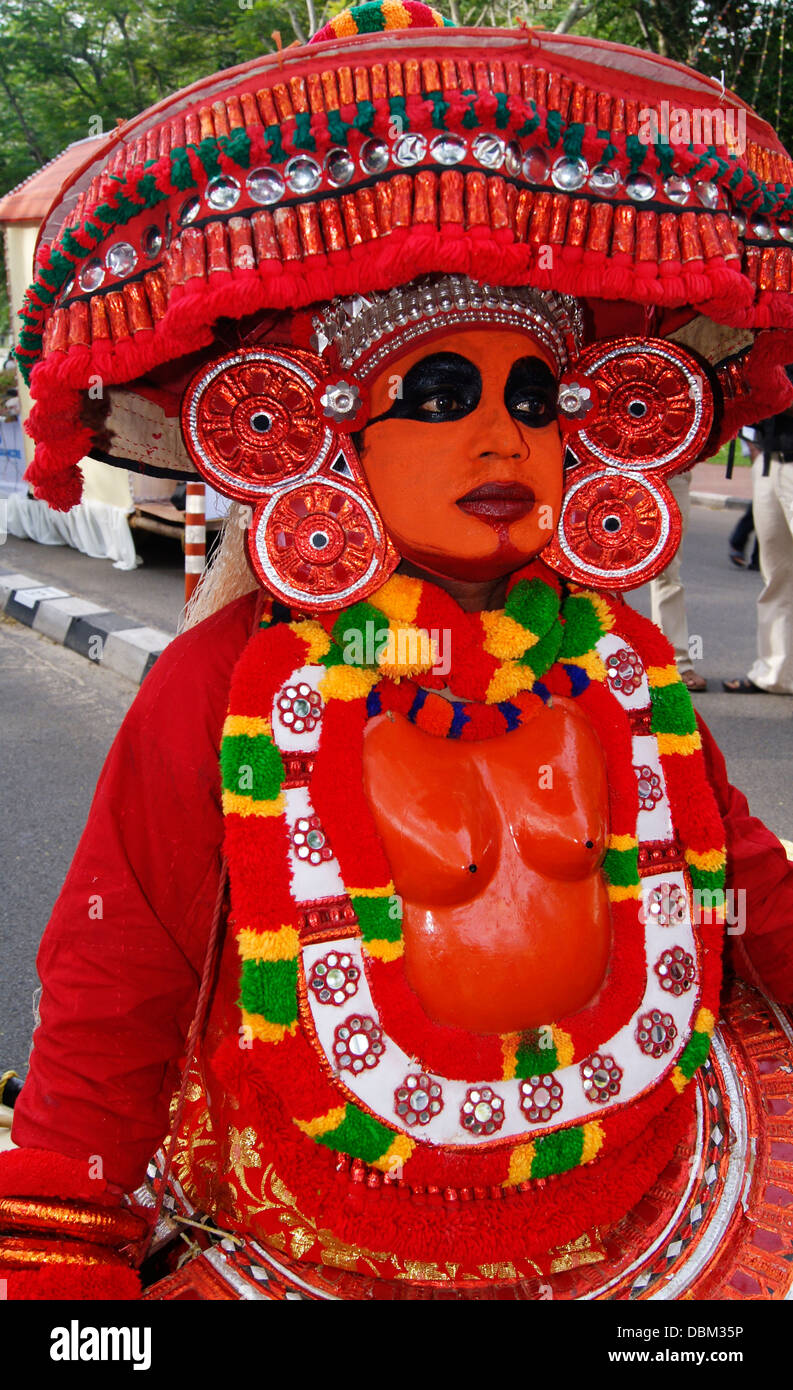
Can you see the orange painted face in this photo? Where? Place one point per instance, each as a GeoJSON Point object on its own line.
{"type": "Point", "coordinates": [465, 464]}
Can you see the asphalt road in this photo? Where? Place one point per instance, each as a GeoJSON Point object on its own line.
{"type": "Point", "coordinates": [60, 713]}
{"type": "Point", "coordinates": [153, 593]}
{"type": "Point", "coordinates": [755, 732]}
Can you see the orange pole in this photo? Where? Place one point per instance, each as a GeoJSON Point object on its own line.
{"type": "Point", "coordinates": [195, 538]}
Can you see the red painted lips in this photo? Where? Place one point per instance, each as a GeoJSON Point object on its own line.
{"type": "Point", "coordinates": [498, 502]}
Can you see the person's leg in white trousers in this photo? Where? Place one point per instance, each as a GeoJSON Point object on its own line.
{"type": "Point", "coordinates": [773, 518]}
{"type": "Point", "coordinates": [667, 593]}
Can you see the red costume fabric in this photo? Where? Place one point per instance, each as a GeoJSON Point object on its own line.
{"type": "Point", "coordinates": [122, 955]}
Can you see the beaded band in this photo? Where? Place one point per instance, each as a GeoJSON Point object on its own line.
{"type": "Point", "coordinates": [365, 332]}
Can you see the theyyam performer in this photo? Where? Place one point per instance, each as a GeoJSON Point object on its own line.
{"type": "Point", "coordinates": [418, 873]}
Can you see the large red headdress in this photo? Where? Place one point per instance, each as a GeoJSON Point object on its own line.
{"type": "Point", "coordinates": [391, 186]}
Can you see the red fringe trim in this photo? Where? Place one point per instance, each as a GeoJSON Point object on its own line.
{"type": "Point", "coordinates": [187, 325]}
{"type": "Point", "coordinates": [41, 1173]}
{"type": "Point", "coordinates": [58, 1283]}
{"type": "Point", "coordinates": [498, 1227]}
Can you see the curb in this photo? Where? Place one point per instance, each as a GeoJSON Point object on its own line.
{"type": "Point", "coordinates": [106, 638]}
{"type": "Point", "coordinates": [719, 499]}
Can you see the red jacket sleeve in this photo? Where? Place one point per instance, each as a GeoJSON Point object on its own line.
{"type": "Point", "coordinates": [122, 956]}
{"type": "Point", "coordinates": [761, 879]}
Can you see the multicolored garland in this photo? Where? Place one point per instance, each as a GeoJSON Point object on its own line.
{"type": "Point", "coordinates": [546, 642]}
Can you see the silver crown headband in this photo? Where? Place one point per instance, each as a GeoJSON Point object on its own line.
{"type": "Point", "coordinates": [364, 331]}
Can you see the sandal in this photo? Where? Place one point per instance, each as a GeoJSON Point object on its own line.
{"type": "Point", "coordinates": [742, 686]}
{"type": "Point", "coordinates": [692, 681]}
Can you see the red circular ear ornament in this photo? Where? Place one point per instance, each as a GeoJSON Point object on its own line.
{"type": "Point", "coordinates": [319, 537]}
{"type": "Point", "coordinates": [636, 403]}
{"type": "Point", "coordinates": [615, 530]}
{"type": "Point", "coordinates": [266, 426]}
{"type": "Point", "coordinates": [631, 411]}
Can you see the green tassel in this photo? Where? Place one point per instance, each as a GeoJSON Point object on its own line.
{"type": "Point", "coordinates": [582, 627]}
{"type": "Point", "coordinates": [269, 988]}
{"type": "Point", "coordinates": [529, 126]}
{"type": "Point", "coordinates": [375, 919]}
{"type": "Point", "coordinates": [694, 1053]}
{"type": "Point", "coordinates": [72, 246]}
{"type": "Point", "coordinates": [105, 215]}
{"type": "Point", "coordinates": [574, 139]}
{"type": "Point", "coordinates": [237, 147]}
{"type": "Point", "coordinates": [303, 138]}
{"type": "Point", "coordinates": [636, 152]}
{"type": "Point", "coordinates": [399, 115]}
{"type": "Point", "coordinates": [127, 209]}
{"type": "Point", "coordinates": [534, 604]}
{"type": "Point", "coordinates": [359, 1135]}
{"type": "Point", "coordinates": [63, 268]}
{"type": "Point", "coordinates": [363, 628]}
{"type": "Point", "coordinates": [621, 867]}
{"type": "Point", "coordinates": [469, 119]}
{"type": "Point", "coordinates": [554, 124]}
{"type": "Point", "coordinates": [207, 152]}
{"type": "Point", "coordinates": [439, 109]}
{"type": "Point", "coordinates": [149, 192]}
{"type": "Point", "coordinates": [666, 159]}
{"type": "Point", "coordinates": [181, 173]}
{"type": "Point", "coordinates": [334, 656]}
{"type": "Point", "coordinates": [541, 657]}
{"type": "Point", "coordinates": [710, 881]}
{"type": "Point", "coordinates": [273, 137]}
{"type": "Point", "coordinates": [558, 1153]}
{"type": "Point", "coordinates": [503, 113]}
{"type": "Point", "coordinates": [337, 128]}
{"type": "Point", "coordinates": [365, 117]}
{"type": "Point", "coordinates": [533, 1060]}
{"type": "Point", "coordinates": [368, 18]}
{"type": "Point", "coordinates": [673, 712]}
{"type": "Point", "coordinates": [251, 766]}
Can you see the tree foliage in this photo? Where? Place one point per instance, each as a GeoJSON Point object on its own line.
{"type": "Point", "coordinates": [69, 71]}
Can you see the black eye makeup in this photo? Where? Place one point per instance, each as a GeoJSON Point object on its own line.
{"type": "Point", "coordinates": [447, 386]}
{"type": "Point", "coordinates": [443, 387]}
{"type": "Point", "coordinates": [530, 394]}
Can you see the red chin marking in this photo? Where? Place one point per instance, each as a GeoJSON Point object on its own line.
{"type": "Point", "coordinates": [508, 556]}
{"type": "Point", "coordinates": [503, 560]}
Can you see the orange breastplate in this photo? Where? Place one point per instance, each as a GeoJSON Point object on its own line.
{"type": "Point", "coordinates": [534, 1017]}
{"type": "Point", "coordinates": [495, 850]}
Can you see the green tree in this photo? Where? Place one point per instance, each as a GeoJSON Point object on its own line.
{"type": "Point", "coordinates": [67, 72]}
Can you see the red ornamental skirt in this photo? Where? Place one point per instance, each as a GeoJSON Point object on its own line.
{"type": "Point", "coordinates": [717, 1224]}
